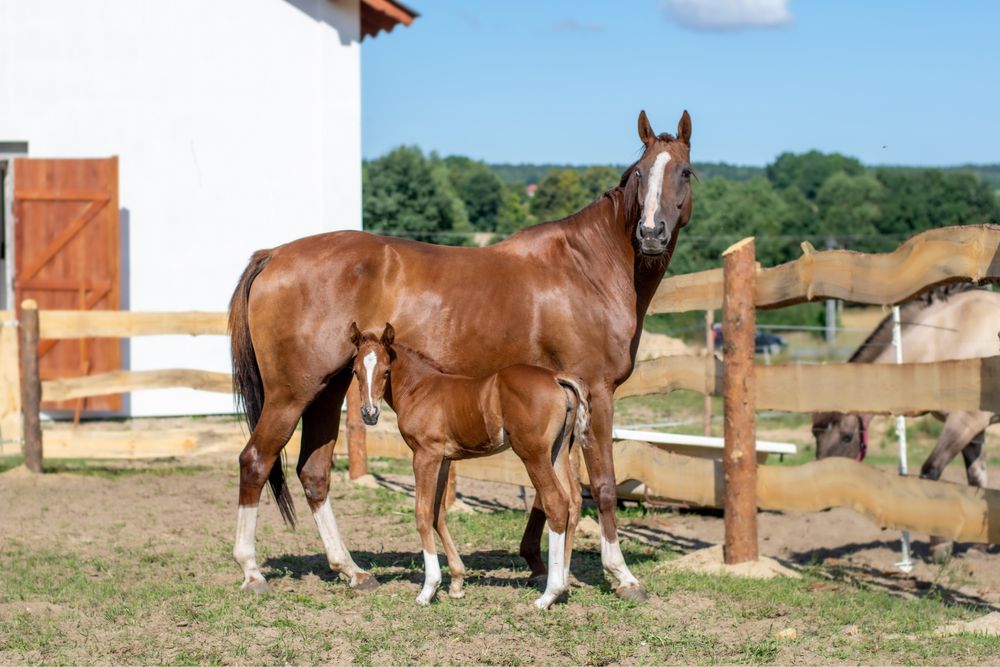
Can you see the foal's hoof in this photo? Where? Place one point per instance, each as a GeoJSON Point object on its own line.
{"type": "Point", "coordinates": [365, 583]}
{"type": "Point", "coordinates": [257, 587]}
{"type": "Point", "coordinates": [632, 593]}
{"type": "Point", "coordinates": [539, 581]}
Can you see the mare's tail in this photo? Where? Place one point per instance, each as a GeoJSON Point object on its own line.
{"type": "Point", "coordinates": [581, 425]}
{"type": "Point", "coordinates": [247, 384]}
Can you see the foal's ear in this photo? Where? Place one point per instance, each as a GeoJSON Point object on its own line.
{"type": "Point", "coordinates": [355, 334]}
{"type": "Point", "coordinates": [684, 128]}
{"type": "Point", "coordinates": [388, 335]}
{"type": "Point", "coordinates": [646, 134]}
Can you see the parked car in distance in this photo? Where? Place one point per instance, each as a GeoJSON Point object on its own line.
{"type": "Point", "coordinates": [763, 341]}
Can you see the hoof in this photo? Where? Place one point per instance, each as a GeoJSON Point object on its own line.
{"type": "Point", "coordinates": [539, 581]}
{"type": "Point", "coordinates": [423, 600]}
{"type": "Point", "coordinates": [257, 587]}
{"type": "Point", "coordinates": [940, 553]}
{"type": "Point", "coordinates": [456, 593]}
{"type": "Point", "coordinates": [365, 584]}
{"type": "Point", "coordinates": [632, 593]}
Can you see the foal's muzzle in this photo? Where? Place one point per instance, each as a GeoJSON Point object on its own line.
{"type": "Point", "coordinates": [370, 414]}
{"type": "Point", "coordinates": [652, 240]}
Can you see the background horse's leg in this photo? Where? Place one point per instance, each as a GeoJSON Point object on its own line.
{"type": "Point", "coordinates": [277, 421]}
{"type": "Point", "coordinates": [601, 469]}
{"type": "Point", "coordinates": [455, 565]}
{"type": "Point", "coordinates": [960, 428]}
{"type": "Point", "coordinates": [320, 426]}
{"type": "Point", "coordinates": [425, 474]}
{"type": "Point", "coordinates": [974, 455]}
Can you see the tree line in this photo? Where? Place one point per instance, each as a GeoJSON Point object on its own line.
{"type": "Point", "coordinates": [827, 199]}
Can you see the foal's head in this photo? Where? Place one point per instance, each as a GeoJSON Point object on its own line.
{"type": "Point", "coordinates": [371, 368]}
{"type": "Point", "coordinates": [661, 182]}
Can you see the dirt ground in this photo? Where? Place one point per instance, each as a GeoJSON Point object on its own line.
{"type": "Point", "coordinates": [130, 563]}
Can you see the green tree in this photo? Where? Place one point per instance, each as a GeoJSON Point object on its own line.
{"type": "Point", "coordinates": [595, 181]}
{"type": "Point", "coordinates": [850, 211]}
{"type": "Point", "coordinates": [558, 195]}
{"type": "Point", "coordinates": [808, 171]}
{"type": "Point", "coordinates": [920, 199]}
{"type": "Point", "coordinates": [514, 213]}
{"type": "Point", "coordinates": [404, 194]}
{"type": "Point", "coordinates": [480, 189]}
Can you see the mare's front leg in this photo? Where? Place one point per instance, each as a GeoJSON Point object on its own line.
{"type": "Point", "coordinates": [960, 429]}
{"type": "Point", "coordinates": [426, 467]}
{"type": "Point", "coordinates": [601, 469]}
{"type": "Point", "coordinates": [320, 426]}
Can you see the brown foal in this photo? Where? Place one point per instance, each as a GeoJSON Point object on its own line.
{"type": "Point", "coordinates": [538, 413]}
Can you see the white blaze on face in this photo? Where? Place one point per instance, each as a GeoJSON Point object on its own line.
{"type": "Point", "coordinates": [370, 360]}
{"type": "Point", "coordinates": [652, 203]}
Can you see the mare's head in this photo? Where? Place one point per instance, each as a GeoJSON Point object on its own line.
{"type": "Point", "coordinates": [660, 181]}
{"type": "Point", "coordinates": [371, 368]}
{"type": "Point", "coordinates": [839, 434]}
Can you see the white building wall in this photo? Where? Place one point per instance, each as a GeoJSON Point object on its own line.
{"type": "Point", "coordinates": [237, 123]}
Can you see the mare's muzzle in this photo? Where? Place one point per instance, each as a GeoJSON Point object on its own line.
{"type": "Point", "coordinates": [370, 414]}
{"type": "Point", "coordinates": [652, 240]}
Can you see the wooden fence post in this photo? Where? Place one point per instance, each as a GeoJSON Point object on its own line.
{"type": "Point", "coordinates": [31, 386]}
{"type": "Point", "coordinates": [710, 350]}
{"type": "Point", "coordinates": [357, 447]}
{"type": "Point", "coordinates": [739, 459]}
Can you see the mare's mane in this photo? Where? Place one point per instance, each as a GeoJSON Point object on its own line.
{"type": "Point", "coordinates": [881, 336]}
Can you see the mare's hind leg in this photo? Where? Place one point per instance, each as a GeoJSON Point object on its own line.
{"type": "Point", "coordinates": [455, 565]}
{"type": "Point", "coordinates": [320, 426]}
{"type": "Point", "coordinates": [275, 426]}
{"type": "Point", "coordinates": [425, 472]}
{"type": "Point", "coordinates": [960, 428]}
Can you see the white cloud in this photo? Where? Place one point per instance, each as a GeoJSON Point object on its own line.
{"type": "Point", "coordinates": [729, 14]}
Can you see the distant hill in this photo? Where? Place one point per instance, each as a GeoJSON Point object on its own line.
{"type": "Point", "coordinates": [524, 174]}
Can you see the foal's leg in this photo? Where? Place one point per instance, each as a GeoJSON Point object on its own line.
{"type": "Point", "coordinates": [601, 468]}
{"type": "Point", "coordinates": [455, 565]}
{"type": "Point", "coordinates": [531, 542]}
{"type": "Point", "coordinates": [275, 426]}
{"type": "Point", "coordinates": [536, 456]}
{"type": "Point", "coordinates": [568, 473]}
{"type": "Point", "coordinates": [320, 426]}
{"type": "Point", "coordinates": [425, 472]}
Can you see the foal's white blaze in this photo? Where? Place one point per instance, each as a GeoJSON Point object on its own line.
{"type": "Point", "coordinates": [432, 578]}
{"type": "Point", "coordinates": [556, 583]}
{"type": "Point", "coordinates": [652, 203]}
{"type": "Point", "coordinates": [337, 554]}
{"type": "Point", "coordinates": [370, 361]}
{"type": "Point", "coordinates": [245, 549]}
{"type": "Point", "coordinates": [614, 562]}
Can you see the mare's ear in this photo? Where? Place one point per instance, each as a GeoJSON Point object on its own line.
{"type": "Point", "coordinates": [684, 128]}
{"type": "Point", "coordinates": [355, 334]}
{"type": "Point", "coordinates": [646, 134]}
{"type": "Point", "coordinates": [388, 335]}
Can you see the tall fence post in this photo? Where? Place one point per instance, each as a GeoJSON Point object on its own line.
{"type": "Point", "coordinates": [357, 447]}
{"type": "Point", "coordinates": [739, 460]}
{"type": "Point", "coordinates": [31, 386]}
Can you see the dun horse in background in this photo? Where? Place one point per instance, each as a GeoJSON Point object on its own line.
{"type": "Point", "coordinates": [569, 295]}
{"type": "Point", "coordinates": [539, 414]}
{"type": "Point", "coordinates": [952, 322]}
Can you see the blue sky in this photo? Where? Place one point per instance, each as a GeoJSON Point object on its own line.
{"type": "Point", "coordinates": [888, 81]}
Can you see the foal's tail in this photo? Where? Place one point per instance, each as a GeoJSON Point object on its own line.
{"type": "Point", "coordinates": [581, 425]}
{"type": "Point", "coordinates": [247, 384]}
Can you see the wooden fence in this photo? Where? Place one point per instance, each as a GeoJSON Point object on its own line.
{"type": "Point", "coordinates": [926, 260]}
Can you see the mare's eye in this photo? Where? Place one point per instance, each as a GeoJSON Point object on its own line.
{"type": "Point", "coordinates": [686, 173]}
{"type": "Point", "coordinates": [638, 174]}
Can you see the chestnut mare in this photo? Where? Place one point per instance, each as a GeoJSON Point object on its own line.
{"type": "Point", "coordinates": [568, 295]}
{"type": "Point", "coordinates": [540, 414]}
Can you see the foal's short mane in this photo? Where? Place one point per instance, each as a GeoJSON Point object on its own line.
{"type": "Point", "coordinates": [417, 353]}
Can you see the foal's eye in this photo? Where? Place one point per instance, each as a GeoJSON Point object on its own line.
{"type": "Point", "coordinates": [387, 373]}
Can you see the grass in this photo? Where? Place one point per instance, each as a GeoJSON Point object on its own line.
{"type": "Point", "coordinates": [171, 603]}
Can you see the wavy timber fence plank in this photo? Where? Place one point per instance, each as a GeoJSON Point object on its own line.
{"type": "Point", "coordinates": [927, 259]}
{"type": "Point", "coordinates": [127, 323]}
{"type": "Point", "coordinates": [117, 382]}
{"type": "Point", "coordinates": [967, 384]}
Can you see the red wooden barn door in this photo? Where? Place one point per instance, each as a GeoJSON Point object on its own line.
{"type": "Point", "coordinates": [67, 256]}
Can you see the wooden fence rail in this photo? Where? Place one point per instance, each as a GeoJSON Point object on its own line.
{"type": "Point", "coordinates": [933, 257]}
